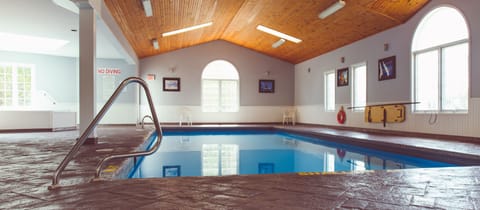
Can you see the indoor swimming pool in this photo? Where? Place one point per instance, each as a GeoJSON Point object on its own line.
{"type": "Point", "coordinates": [263, 152]}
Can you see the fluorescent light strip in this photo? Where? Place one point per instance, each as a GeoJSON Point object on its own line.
{"type": "Point", "coordinates": [332, 9]}
{"type": "Point", "coordinates": [183, 30]}
{"type": "Point", "coordinates": [147, 6]}
{"type": "Point", "coordinates": [278, 34]}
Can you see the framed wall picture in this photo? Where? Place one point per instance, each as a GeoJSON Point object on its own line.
{"type": "Point", "coordinates": [266, 168]}
{"type": "Point", "coordinates": [171, 84]}
{"type": "Point", "coordinates": [171, 171]}
{"type": "Point", "coordinates": [342, 77]}
{"type": "Point", "coordinates": [386, 68]}
{"type": "Point", "coordinates": [266, 86]}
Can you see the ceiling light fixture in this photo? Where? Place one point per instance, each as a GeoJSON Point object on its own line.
{"type": "Point", "coordinates": [278, 34]}
{"type": "Point", "coordinates": [332, 9]}
{"type": "Point", "coordinates": [155, 44]}
{"type": "Point", "coordinates": [147, 6]}
{"type": "Point", "coordinates": [183, 30]}
{"type": "Point", "coordinates": [278, 43]}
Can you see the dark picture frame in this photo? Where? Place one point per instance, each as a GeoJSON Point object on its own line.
{"type": "Point", "coordinates": [266, 168]}
{"type": "Point", "coordinates": [266, 86]}
{"type": "Point", "coordinates": [342, 77]}
{"type": "Point", "coordinates": [387, 68]}
{"type": "Point", "coordinates": [171, 171]}
{"type": "Point", "coordinates": [171, 84]}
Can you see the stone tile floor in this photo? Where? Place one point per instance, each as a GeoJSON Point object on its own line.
{"type": "Point", "coordinates": [29, 160]}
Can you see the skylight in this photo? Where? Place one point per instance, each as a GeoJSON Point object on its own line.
{"type": "Point", "coordinates": [68, 5]}
{"type": "Point", "coordinates": [278, 34]}
{"type": "Point", "coordinates": [183, 30]}
{"type": "Point", "coordinates": [30, 44]}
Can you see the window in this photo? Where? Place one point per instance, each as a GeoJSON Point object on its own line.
{"type": "Point", "coordinates": [15, 85]}
{"type": "Point", "coordinates": [329, 162]}
{"type": "Point", "coordinates": [440, 52]}
{"type": "Point", "coordinates": [357, 165]}
{"type": "Point", "coordinates": [330, 91]}
{"type": "Point", "coordinates": [219, 159]}
{"type": "Point", "coordinates": [359, 87]}
{"type": "Point", "coordinates": [220, 91]}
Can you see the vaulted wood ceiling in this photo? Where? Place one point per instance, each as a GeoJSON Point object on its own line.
{"type": "Point", "coordinates": [235, 21]}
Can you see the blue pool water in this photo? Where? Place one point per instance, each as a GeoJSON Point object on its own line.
{"type": "Point", "coordinates": [262, 152]}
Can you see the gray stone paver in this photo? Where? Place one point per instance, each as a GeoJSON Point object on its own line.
{"type": "Point", "coordinates": [29, 160]}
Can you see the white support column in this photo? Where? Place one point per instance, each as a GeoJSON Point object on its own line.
{"type": "Point", "coordinates": [87, 57]}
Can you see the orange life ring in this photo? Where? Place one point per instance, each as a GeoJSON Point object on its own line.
{"type": "Point", "coordinates": [341, 116]}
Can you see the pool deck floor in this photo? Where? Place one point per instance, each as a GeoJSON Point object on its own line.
{"type": "Point", "coordinates": [29, 160]}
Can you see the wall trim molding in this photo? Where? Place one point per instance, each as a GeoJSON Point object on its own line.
{"type": "Point", "coordinates": [468, 139]}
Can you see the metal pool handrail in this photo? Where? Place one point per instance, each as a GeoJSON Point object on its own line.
{"type": "Point", "coordinates": [94, 123]}
{"type": "Point", "coordinates": [143, 120]}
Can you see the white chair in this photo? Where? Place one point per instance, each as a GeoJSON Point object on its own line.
{"type": "Point", "coordinates": [185, 116]}
{"type": "Point", "coordinates": [289, 116]}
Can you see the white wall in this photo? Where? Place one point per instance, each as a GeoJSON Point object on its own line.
{"type": "Point", "coordinates": [188, 65]}
{"type": "Point", "coordinates": [309, 86]}
{"type": "Point", "coordinates": [58, 76]}
{"type": "Point", "coordinates": [55, 75]}
{"type": "Point", "coordinates": [109, 28]}
{"type": "Point", "coordinates": [125, 108]}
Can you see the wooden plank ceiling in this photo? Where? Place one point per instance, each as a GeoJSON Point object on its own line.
{"type": "Point", "coordinates": [235, 21]}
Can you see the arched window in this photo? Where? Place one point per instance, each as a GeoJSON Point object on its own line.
{"type": "Point", "coordinates": [441, 55]}
{"type": "Point", "coordinates": [220, 92]}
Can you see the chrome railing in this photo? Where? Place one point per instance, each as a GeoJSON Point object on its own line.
{"type": "Point", "coordinates": [143, 120]}
{"type": "Point", "coordinates": [94, 123]}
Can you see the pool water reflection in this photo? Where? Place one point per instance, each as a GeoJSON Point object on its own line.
{"type": "Point", "coordinates": [207, 154]}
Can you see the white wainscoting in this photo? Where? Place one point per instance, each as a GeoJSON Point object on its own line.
{"type": "Point", "coordinates": [119, 113]}
{"type": "Point", "coordinates": [246, 114]}
{"type": "Point", "coordinates": [38, 119]}
{"type": "Point", "coordinates": [459, 124]}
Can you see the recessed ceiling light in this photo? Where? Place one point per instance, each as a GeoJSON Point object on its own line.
{"type": "Point", "coordinates": [332, 9]}
{"type": "Point", "coordinates": [278, 34]}
{"type": "Point", "coordinates": [183, 30]}
{"type": "Point", "coordinates": [32, 44]}
{"type": "Point", "coordinates": [155, 44]}
{"type": "Point", "coordinates": [278, 43]}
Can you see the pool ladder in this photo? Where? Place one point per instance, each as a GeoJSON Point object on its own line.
{"type": "Point", "coordinates": [94, 123]}
{"type": "Point", "coordinates": [142, 123]}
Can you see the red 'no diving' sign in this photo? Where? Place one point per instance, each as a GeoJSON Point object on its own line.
{"type": "Point", "coordinates": [113, 71]}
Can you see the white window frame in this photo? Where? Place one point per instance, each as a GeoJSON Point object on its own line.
{"type": "Point", "coordinates": [329, 162]}
{"type": "Point", "coordinates": [15, 91]}
{"type": "Point", "coordinates": [440, 99]}
{"type": "Point", "coordinates": [357, 165]}
{"type": "Point", "coordinates": [225, 162]}
{"type": "Point", "coordinates": [358, 107]}
{"type": "Point", "coordinates": [221, 107]}
{"type": "Point", "coordinates": [440, 48]}
{"type": "Point", "coordinates": [327, 88]}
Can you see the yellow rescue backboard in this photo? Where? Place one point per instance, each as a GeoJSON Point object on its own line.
{"type": "Point", "coordinates": [385, 114]}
